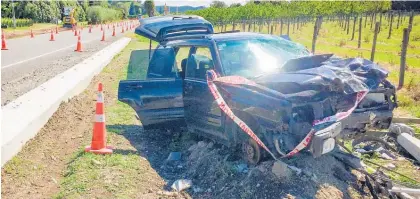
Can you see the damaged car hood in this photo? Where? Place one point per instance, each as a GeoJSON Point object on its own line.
{"type": "Point", "coordinates": [337, 75]}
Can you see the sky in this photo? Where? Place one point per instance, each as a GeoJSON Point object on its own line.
{"type": "Point", "coordinates": [194, 3]}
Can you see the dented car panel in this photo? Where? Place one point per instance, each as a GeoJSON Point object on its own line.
{"type": "Point", "coordinates": [290, 91]}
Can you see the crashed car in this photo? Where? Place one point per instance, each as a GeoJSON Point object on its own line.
{"type": "Point", "coordinates": [261, 93]}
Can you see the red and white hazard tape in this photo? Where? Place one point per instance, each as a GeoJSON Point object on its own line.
{"type": "Point", "coordinates": [236, 80]}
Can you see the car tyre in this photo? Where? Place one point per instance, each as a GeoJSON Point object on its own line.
{"type": "Point", "coordinates": [251, 152]}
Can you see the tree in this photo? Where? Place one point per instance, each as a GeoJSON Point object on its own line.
{"type": "Point", "coordinates": [132, 10]}
{"type": "Point", "coordinates": [235, 5]}
{"type": "Point", "coordinates": [149, 6]}
{"type": "Point", "coordinates": [218, 4]}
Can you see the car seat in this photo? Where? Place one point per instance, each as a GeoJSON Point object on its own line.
{"type": "Point", "coordinates": [183, 67]}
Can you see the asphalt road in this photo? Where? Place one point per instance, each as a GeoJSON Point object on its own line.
{"type": "Point", "coordinates": [29, 62]}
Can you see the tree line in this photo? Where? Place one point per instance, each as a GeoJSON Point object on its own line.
{"type": "Point", "coordinates": [51, 11]}
{"type": "Point", "coordinates": [218, 12]}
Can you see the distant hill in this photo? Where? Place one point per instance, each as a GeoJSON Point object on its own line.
{"type": "Point", "coordinates": [181, 9]}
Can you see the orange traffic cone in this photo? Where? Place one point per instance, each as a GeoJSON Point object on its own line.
{"type": "Point", "coordinates": [90, 29]}
{"type": "Point", "coordinates": [3, 42]}
{"type": "Point", "coordinates": [32, 34]}
{"type": "Point", "coordinates": [75, 32]}
{"type": "Point", "coordinates": [101, 28]}
{"type": "Point", "coordinates": [108, 26]}
{"type": "Point", "coordinates": [52, 36]}
{"type": "Point", "coordinates": [98, 145]}
{"type": "Point", "coordinates": [113, 31]}
{"type": "Point", "coordinates": [79, 45]}
{"type": "Point", "coordinates": [126, 28]}
{"type": "Point", "coordinates": [122, 29]}
{"type": "Point", "coordinates": [56, 30]}
{"type": "Point", "coordinates": [103, 36]}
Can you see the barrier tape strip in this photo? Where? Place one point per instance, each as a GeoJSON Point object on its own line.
{"type": "Point", "coordinates": [236, 80]}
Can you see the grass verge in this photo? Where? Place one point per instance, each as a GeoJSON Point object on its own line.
{"type": "Point", "coordinates": [123, 173]}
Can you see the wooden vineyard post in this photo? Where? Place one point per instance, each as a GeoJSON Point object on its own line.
{"type": "Point", "coordinates": [297, 23]}
{"type": "Point", "coordinates": [398, 20]}
{"type": "Point", "coordinates": [390, 26]}
{"type": "Point", "coordinates": [288, 27]}
{"type": "Point", "coordinates": [365, 20]}
{"type": "Point", "coordinates": [317, 26]}
{"type": "Point", "coordinates": [354, 27]}
{"type": "Point", "coordinates": [375, 36]}
{"type": "Point", "coordinates": [410, 21]}
{"type": "Point", "coordinates": [281, 26]}
{"type": "Point", "coordinates": [272, 28]}
{"type": "Point", "coordinates": [380, 21]}
{"type": "Point", "coordinates": [371, 22]}
{"type": "Point", "coordinates": [294, 24]}
{"type": "Point", "coordinates": [249, 25]}
{"type": "Point", "coordinates": [345, 24]}
{"type": "Point", "coordinates": [360, 32]}
{"type": "Point", "coordinates": [348, 24]}
{"type": "Point", "coordinates": [404, 46]}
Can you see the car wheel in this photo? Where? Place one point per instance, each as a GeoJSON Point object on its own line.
{"type": "Point", "coordinates": [251, 152]}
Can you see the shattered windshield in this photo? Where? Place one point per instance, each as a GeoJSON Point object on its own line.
{"type": "Point", "coordinates": [252, 57]}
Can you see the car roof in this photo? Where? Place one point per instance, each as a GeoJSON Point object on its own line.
{"type": "Point", "coordinates": [218, 37]}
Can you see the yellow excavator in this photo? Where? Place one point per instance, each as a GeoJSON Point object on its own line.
{"type": "Point", "coordinates": [69, 20]}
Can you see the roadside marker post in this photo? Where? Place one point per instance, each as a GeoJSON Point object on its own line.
{"type": "Point", "coordinates": [90, 29]}
{"type": "Point", "coordinates": [98, 144]}
{"type": "Point", "coordinates": [56, 30]}
{"type": "Point", "coordinates": [113, 31]}
{"type": "Point", "coordinates": [32, 34]}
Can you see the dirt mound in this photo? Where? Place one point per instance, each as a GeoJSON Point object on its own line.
{"type": "Point", "coordinates": [217, 173]}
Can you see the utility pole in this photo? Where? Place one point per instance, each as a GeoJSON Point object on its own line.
{"type": "Point", "coordinates": [13, 11]}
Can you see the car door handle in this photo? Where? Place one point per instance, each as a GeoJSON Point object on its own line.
{"type": "Point", "coordinates": [135, 86]}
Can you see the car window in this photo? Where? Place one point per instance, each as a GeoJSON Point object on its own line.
{"type": "Point", "coordinates": [161, 64]}
{"type": "Point", "coordinates": [181, 59]}
{"type": "Point", "coordinates": [199, 62]}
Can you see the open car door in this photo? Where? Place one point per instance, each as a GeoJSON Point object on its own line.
{"type": "Point", "coordinates": [157, 99]}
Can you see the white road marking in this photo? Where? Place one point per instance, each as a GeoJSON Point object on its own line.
{"type": "Point", "coordinates": [36, 57]}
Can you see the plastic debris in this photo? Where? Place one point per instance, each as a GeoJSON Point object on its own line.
{"type": "Point", "coordinates": [241, 168]}
{"type": "Point", "coordinates": [181, 184]}
{"type": "Point", "coordinates": [174, 156]}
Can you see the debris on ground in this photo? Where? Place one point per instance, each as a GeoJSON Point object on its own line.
{"type": "Point", "coordinates": [281, 170]}
{"type": "Point", "coordinates": [181, 185]}
{"type": "Point", "coordinates": [174, 156]}
{"type": "Point", "coordinates": [241, 168]}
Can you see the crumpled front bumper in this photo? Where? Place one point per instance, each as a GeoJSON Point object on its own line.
{"type": "Point", "coordinates": [323, 141]}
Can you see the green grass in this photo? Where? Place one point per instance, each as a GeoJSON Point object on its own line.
{"type": "Point", "coordinates": [110, 176]}
{"type": "Point", "coordinates": [35, 26]}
